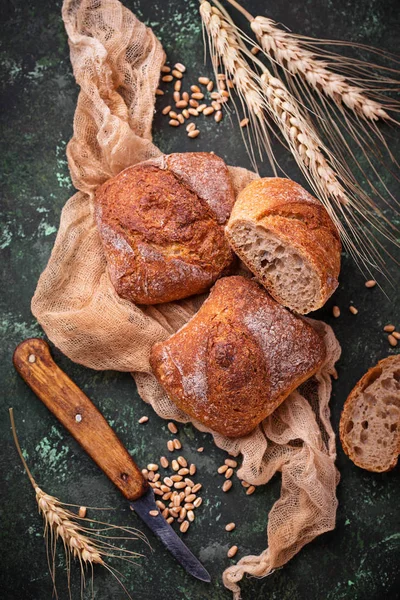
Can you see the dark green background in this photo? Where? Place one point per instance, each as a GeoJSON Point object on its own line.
{"type": "Point", "coordinates": [359, 560]}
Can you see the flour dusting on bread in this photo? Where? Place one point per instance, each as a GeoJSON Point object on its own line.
{"type": "Point", "coordinates": [237, 359]}
{"type": "Point", "coordinates": [162, 227]}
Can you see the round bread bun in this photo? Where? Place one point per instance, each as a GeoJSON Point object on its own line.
{"type": "Point", "coordinates": [162, 226]}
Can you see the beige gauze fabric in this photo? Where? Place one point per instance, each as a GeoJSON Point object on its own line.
{"type": "Point", "coordinates": [116, 62]}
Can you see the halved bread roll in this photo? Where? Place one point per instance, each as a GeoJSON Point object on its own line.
{"type": "Point", "coordinates": [370, 422]}
{"type": "Point", "coordinates": [287, 239]}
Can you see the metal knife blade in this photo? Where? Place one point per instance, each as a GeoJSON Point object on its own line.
{"type": "Point", "coordinates": [167, 535]}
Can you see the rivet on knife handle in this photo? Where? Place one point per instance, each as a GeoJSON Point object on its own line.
{"type": "Point", "coordinates": [33, 361]}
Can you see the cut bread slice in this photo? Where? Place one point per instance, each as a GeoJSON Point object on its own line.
{"type": "Point", "coordinates": [289, 242]}
{"type": "Point", "coordinates": [289, 277]}
{"type": "Point", "coordinates": [370, 422]}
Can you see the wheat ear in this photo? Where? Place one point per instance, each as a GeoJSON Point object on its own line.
{"type": "Point", "coordinates": [356, 95]}
{"type": "Point", "coordinates": [267, 93]}
{"type": "Point", "coordinates": [87, 545]}
{"type": "Point", "coordinates": [274, 99]}
{"type": "Point", "coordinates": [225, 50]}
{"type": "Point", "coordinates": [330, 177]}
{"type": "Point", "coordinates": [291, 54]}
{"type": "Point", "coordinates": [288, 53]}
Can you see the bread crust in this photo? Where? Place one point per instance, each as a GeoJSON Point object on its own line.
{"type": "Point", "coordinates": [283, 207]}
{"type": "Point", "coordinates": [162, 227]}
{"type": "Point", "coordinates": [237, 359]}
{"type": "Point", "coordinates": [371, 375]}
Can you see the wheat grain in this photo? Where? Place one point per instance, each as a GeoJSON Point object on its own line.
{"type": "Point", "coordinates": [180, 67]}
{"type": "Point", "coordinates": [232, 551]}
{"type": "Point", "coordinates": [184, 471]}
{"type": "Point", "coordinates": [184, 527]}
{"type": "Point", "coordinates": [227, 485]}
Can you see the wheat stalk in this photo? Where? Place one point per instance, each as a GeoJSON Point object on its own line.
{"type": "Point", "coordinates": [268, 93]}
{"type": "Point", "coordinates": [62, 523]}
{"type": "Point", "coordinates": [329, 176]}
{"type": "Point", "coordinates": [86, 544]}
{"type": "Point", "coordinates": [288, 51]}
{"type": "Point", "coordinates": [359, 106]}
{"type": "Point", "coordinates": [225, 49]}
{"type": "Point", "coordinates": [273, 98]}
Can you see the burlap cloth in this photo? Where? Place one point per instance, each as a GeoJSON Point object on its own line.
{"type": "Point", "coordinates": [116, 61]}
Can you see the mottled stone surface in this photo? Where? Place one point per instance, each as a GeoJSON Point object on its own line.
{"type": "Point", "coordinates": [357, 561]}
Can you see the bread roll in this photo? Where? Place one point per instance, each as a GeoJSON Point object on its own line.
{"type": "Point", "coordinates": [237, 359]}
{"type": "Point", "coordinates": [162, 226]}
{"type": "Point", "coordinates": [287, 239]}
{"type": "Point", "coordinates": [370, 422]}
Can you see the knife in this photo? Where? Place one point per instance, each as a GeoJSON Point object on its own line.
{"type": "Point", "coordinates": [33, 361]}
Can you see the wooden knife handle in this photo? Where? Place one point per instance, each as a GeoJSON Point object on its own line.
{"type": "Point", "coordinates": [33, 361]}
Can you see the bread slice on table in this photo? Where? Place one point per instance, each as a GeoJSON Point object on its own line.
{"type": "Point", "coordinates": [161, 223]}
{"type": "Point", "coordinates": [237, 359]}
{"type": "Point", "coordinates": [370, 422]}
{"type": "Point", "coordinates": [287, 239]}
